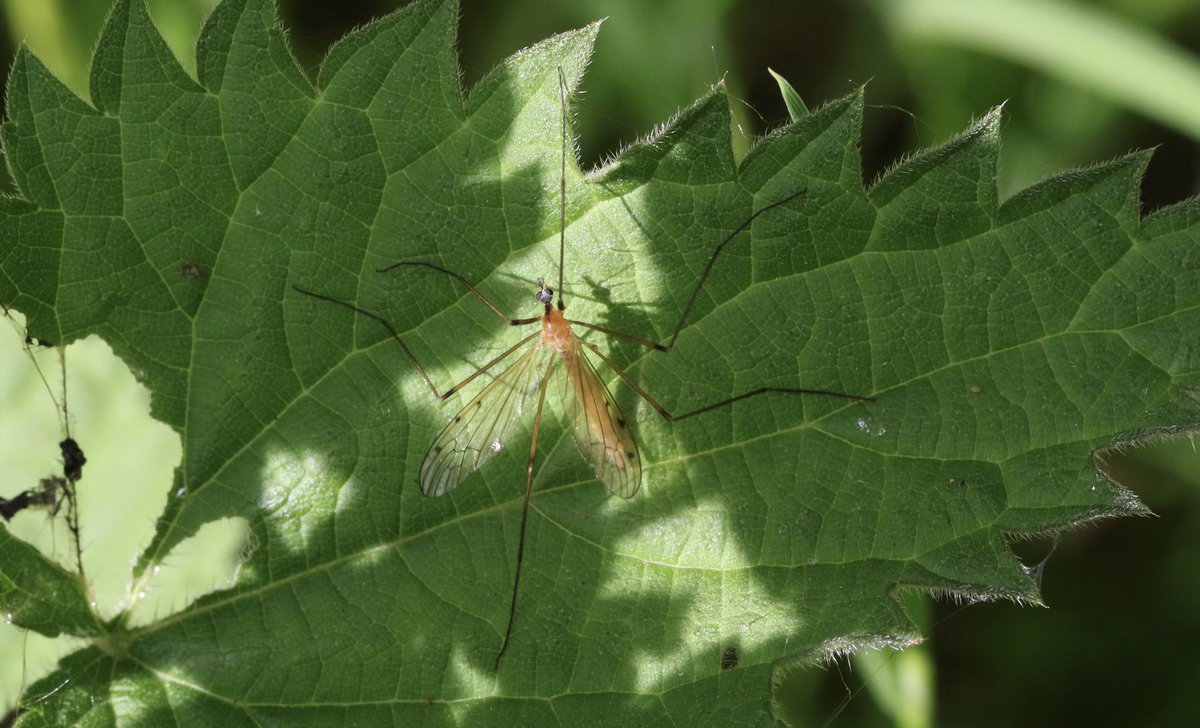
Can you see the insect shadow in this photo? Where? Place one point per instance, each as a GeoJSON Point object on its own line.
{"type": "Point", "coordinates": [553, 356]}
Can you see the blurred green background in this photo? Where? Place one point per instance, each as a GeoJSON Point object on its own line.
{"type": "Point", "coordinates": [1082, 82]}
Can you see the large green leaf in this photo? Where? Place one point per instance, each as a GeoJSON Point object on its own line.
{"type": "Point", "coordinates": [1003, 344]}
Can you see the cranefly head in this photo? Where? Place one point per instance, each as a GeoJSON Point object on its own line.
{"type": "Point", "coordinates": [545, 294]}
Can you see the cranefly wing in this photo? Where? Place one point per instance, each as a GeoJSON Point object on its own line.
{"type": "Point", "coordinates": [482, 428]}
{"type": "Point", "coordinates": [600, 430]}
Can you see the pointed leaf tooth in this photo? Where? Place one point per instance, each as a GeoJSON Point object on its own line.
{"type": "Point", "coordinates": [819, 149]}
{"type": "Point", "coordinates": [1114, 187]}
{"type": "Point", "coordinates": [24, 156]}
{"type": "Point", "coordinates": [243, 58]}
{"type": "Point", "coordinates": [941, 195]}
{"type": "Point", "coordinates": [78, 172]}
{"type": "Point", "coordinates": [699, 132]}
{"type": "Point", "coordinates": [979, 565]}
{"type": "Point", "coordinates": [129, 54]}
{"type": "Point", "coordinates": [523, 90]}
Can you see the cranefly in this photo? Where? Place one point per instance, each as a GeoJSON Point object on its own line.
{"type": "Point", "coordinates": [552, 356]}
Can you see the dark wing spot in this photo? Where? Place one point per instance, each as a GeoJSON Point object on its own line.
{"type": "Point", "coordinates": [621, 422]}
{"type": "Point", "coordinates": [437, 449]}
{"type": "Point", "coordinates": [457, 418]}
{"type": "Point", "coordinates": [629, 455]}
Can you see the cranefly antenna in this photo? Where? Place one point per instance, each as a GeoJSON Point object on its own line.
{"type": "Point", "coordinates": [562, 190]}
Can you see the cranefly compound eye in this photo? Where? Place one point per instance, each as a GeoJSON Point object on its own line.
{"type": "Point", "coordinates": [545, 294]}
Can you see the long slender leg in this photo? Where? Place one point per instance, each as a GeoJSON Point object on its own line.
{"type": "Point", "coordinates": [408, 352]}
{"type": "Point", "coordinates": [596, 327]}
{"type": "Point", "coordinates": [712, 261]}
{"type": "Point", "coordinates": [619, 335]}
{"type": "Point", "coordinates": [695, 292]}
{"type": "Point", "coordinates": [446, 395]}
{"type": "Point", "coordinates": [537, 424]}
{"type": "Point", "coordinates": [475, 291]}
{"type": "Point", "coordinates": [669, 417]}
{"type": "Point", "coordinates": [383, 322]}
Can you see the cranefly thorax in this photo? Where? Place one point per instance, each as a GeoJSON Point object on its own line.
{"type": "Point", "coordinates": [556, 332]}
